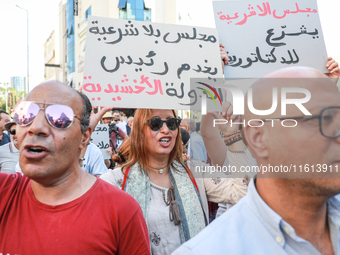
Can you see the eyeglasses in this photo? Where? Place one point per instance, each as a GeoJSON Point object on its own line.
{"type": "Point", "coordinates": [57, 115]}
{"type": "Point", "coordinates": [329, 121]}
{"type": "Point", "coordinates": [156, 123]}
{"type": "Point", "coordinates": [12, 131]}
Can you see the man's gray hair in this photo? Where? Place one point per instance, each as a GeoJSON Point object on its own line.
{"type": "Point", "coordinates": [130, 118]}
{"type": "Point", "coordinates": [116, 111]}
{"type": "Point", "coordinates": [191, 124]}
{"type": "Point", "coordinates": [86, 113]}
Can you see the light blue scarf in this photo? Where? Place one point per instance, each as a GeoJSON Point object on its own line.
{"type": "Point", "coordinates": [187, 198]}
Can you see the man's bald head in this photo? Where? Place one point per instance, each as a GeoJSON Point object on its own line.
{"type": "Point", "coordinates": [189, 124]}
{"type": "Point", "coordinates": [67, 93]}
{"type": "Point", "coordinates": [51, 85]}
{"type": "Point", "coordinates": [275, 144]}
{"type": "Point", "coordinates": [291, 77]}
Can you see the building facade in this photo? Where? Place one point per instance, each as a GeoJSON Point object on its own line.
{"type": "Point", "coordinates": [18, 83]}
{"type": "Point", "coordinates": [51, 58]}
{"type": "Point", "coordinates": [73, 16]}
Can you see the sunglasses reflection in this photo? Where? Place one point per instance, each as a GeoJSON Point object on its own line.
{"type": "Point", "coordinates": [62, 122]}
{"type": "Point", "coordinates": [55, 115]}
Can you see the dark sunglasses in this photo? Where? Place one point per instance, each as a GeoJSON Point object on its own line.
{"type": "Point", "coordinates": [57, 115]}
{"type": "Point", "coordinates": [156, 123]}
{"type": "Point", "coordinates": [12, 131]}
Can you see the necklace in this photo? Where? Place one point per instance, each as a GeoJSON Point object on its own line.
{"type": "Point", "coordinates": [160, 171]}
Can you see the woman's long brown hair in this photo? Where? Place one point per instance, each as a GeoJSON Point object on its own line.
{"type": "Point", "coordinates": [134, 148]}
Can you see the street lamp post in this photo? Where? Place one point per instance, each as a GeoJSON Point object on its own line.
{"type": "Point", "coordinates": [6, 97]}
{"type": "Point", "coordinates": [28, 54]}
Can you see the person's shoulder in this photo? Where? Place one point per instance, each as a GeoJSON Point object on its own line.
{"type": "Point", "coordinates": [114, 177]}
{"type": "Point", "coordinates": [334, 205]}
{"type": "Point", "coordinates": [94, 149]}
{"type": "Point", "coordinates": [195, 137]}
{"type": "Point", "coordinates": [12, 181]}
{"type": "Point", "coordinates": [192, 163]}
{"type": "Point", "coordinates": [4, 147]}
{"type": "Point", "coordinates": [230, 232]}
{"type": "Point", "coordinates": [119, 198]}
{"type": "Point", "coordinates": [108, 189]}
{"type": "Point", "coordinates": [6, 138]}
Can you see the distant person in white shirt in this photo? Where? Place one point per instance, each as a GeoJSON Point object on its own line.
{"type": "Point", "coordinates": [124, 118]}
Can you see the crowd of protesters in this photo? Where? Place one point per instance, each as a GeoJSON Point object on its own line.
{"type": "Point", "coordinates": [59, 195]}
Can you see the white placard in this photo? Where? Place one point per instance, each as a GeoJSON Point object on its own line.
{"type": "Point", "coordinates": [100, 138]}
{"type": "Point", "coordinates": [134, 64]}
{"type": "Point", "coordinates": [261, 37]}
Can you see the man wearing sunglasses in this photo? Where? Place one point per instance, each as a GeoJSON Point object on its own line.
{"type": "Point", "coordinates": [9, 152]}
{"type": "Point", "coordinates": [288, 211]}
{"type": "Point", "coordinates": [4, 118]}
{"type": "Point", "coordinates": [56, 207]}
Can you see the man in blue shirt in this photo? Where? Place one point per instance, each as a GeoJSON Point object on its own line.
{"type": "Point", "coordinates": [291, 212]}
{"type": "Point", "coordinates": [93, 160]}
{"type": "Point", "coordinates": [196, 146]}
{"type": "Point", "coordinates": [4, 118]}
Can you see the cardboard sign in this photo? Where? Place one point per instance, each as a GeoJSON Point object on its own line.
{"type": "Point", "coordinates": [100, 138]}
{"type": "Point", "coordinates": [262, 37]}
{"type": "Point", "coordinates": [133, 64]}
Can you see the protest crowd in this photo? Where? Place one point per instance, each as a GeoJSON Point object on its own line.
{"type": "Point", "coordinates": [150, 194]}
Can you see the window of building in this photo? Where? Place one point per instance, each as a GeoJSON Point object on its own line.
{"type": "Point", "coordinates": [70, 31]}
{"type": "Point", "coordinates": [87, 13]}
{"type": "Point", "coordinates": [70, 38]}
{"type": "Point", "coordinates": [134, 10]}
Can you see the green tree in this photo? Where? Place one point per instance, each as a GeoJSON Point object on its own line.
{"type": "Point", "coordinates": [17, 95]}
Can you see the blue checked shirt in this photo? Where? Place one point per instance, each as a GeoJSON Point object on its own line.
{"type": "Point", "coordinates": [252, 227]}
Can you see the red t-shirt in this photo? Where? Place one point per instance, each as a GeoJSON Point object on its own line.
{"type": "Point", "coordinates": [105, 220]}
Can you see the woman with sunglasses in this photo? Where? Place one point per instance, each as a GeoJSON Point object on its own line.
{"type": "Point", "coordinates": [154, 174]}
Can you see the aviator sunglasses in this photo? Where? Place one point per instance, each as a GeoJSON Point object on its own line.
{"type": "Point", "coordinates": [57, 115]}
{"type": "Point", "coordinates": [156, 123]}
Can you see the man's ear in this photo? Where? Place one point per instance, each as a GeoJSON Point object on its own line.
{"type": "Point", "coordinates": [85, 138]}
{"type": "Point", "coordinates": [256, 139]}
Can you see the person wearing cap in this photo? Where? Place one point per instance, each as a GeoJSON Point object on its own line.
{"type": "Point", "coordinates": [9, 153]}
{"type": "Point", "coordinates": [107, 118]}
{"type": "Point", "coordinates": [4, 118]}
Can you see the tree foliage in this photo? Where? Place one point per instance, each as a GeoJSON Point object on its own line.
{"type": "Point", "coordinates": [16, 95]}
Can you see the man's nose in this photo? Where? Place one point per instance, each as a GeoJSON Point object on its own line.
{"type": "Point", "coordinates": [39, 126]}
